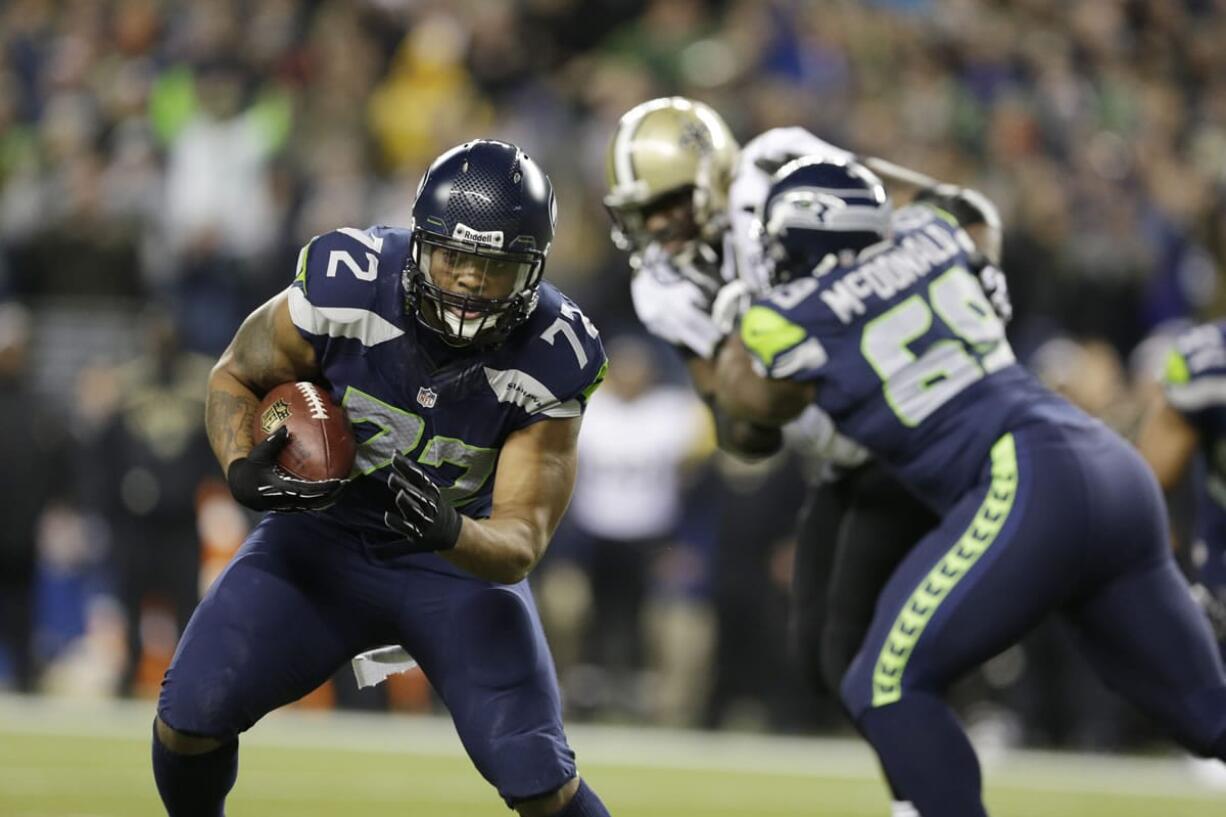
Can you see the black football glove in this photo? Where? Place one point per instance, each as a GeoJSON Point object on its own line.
{"type": "Point", "coordinates": [422, 517]}
{"type": "Point", "coordinates": [257, 482]}
{"type": "Point", "coordinates": [995, 286]}
{"type": "Point", "coordinates": [969, 207]}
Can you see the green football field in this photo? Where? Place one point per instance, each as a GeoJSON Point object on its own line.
{"type": "Point", "coordinates": [91, 760]}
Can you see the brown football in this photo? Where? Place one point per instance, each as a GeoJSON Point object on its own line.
{"type": "Point", "coordinates": [321, 443]}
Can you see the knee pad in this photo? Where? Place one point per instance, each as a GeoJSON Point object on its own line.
{"type": "Point", "coordinates": [203, 705]}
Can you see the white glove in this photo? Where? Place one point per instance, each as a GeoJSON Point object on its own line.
{"type": "Point", "coordinates": [730, 304]}
{"type": "Point", "coordinates": [815, 437]}
{"type": "Point", "coordinates": [673, 307]}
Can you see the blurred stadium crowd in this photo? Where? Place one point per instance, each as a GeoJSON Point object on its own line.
{"type": "Point", "coordinates": [162, 161]}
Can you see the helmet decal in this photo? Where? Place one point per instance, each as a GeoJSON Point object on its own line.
{"type": "Point", "coordinates": [820, 212]}
{"type": "Point", "coordinates": [491, 238]}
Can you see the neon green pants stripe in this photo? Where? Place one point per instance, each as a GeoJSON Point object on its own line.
{"type": "Point", "coordinates": [957, 561]}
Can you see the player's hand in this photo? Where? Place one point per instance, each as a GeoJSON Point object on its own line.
{"type": "Point", "coordinates": [675, 307]}
{"type": "Point", "coordinates": [994, 285]}
{"type": "Point", "coordinates": [257, 482]}
{"type": "Point", "coordinates": [970, 208]}
{"type": "Point", "coordinates": [730, 304]}
{"type": "Point", "coordinates": [814, 436]}
{"type": "Point", "coordinates": [426, 522]}
{"type": "Point", "coordinates": [1215, 609]}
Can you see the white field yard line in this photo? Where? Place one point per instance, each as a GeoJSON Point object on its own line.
{"type": "Point", "coordinates": [1159, 777]}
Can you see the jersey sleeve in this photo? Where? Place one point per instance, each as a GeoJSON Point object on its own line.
{"type": "Point", "coordinates": [777, 333]}
{"type": "Point", "coordinates": [334, 300]}
{"type": "Point", "coordinates": [1195, 375]}
{"type": "Point", "coordinates": [557, 368]}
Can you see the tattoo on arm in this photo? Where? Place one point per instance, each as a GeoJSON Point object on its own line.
{"type": "Point", "coordinates": [265, 351]}
{"type": "Point", "coordinates": [229, 418]}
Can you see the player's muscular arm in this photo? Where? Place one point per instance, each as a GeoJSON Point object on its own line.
{"type": "Point", "coordinates": [266, 350]}
{"type": "Point", "coordinates": [702, 375]}
{"type": "Point", "coordinates": [746, 395]}
{"type": "Point", "coordinates": [1168, 442]}
{"type": "Point", "coordinates": [739, 437]}
{"type": "Point", "coordinates": [532, 487]}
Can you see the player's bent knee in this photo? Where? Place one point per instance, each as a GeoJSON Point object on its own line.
{"type": "Point", "coordinates": [183, 744]}
{"type": "Point", "coordinates": [550, 804]}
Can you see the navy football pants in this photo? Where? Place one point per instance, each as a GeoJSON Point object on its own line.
{"type": "Point", "coordinates": [1065, 519]}
{"type": "Point", "coordinates": [302, 597]}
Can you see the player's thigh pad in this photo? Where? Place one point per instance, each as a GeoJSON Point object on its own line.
{"type": "Point", "coordinates": [275, 625]}
{"type": "Point", "coordinates": [484, 651]}
{"type": "Point", "coordinates": [1001, 556]}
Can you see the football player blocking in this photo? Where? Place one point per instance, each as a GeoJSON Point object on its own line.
{"type": "Point", "coordinates": [465, 377]}
{"type": "Point", "coordinates": [685, 201]}
{"type": "Point", "coordinates": [1042, 508]}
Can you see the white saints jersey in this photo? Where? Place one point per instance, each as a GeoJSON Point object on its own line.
{"type": "Point", "coordinates": [677, 307]}
{"type": "Point", "coordinates": [674, 300]}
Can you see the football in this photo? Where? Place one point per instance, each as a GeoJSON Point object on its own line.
{"type": "Point", "coordinates": [321, 442]}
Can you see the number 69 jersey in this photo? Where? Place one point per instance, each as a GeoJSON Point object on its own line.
{"type": "Point", "coordinates": [908, 356]}
{"type": "Point", "coordinates": [404, 389]}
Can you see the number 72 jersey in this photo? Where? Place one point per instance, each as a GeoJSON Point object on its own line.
{"type": "Point", "coordinates": [405, 390]}
{"type": "Point", "coordinates": [908, 356]}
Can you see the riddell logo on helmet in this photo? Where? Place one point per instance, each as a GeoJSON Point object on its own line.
{"type": "Point", "coordinates": [493, 238]}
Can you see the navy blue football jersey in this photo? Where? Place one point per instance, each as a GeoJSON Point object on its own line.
{"type": "Point", "coordinates": [1195, 384]}
{"type": "Point", "coordinates": [404, 389]}
{"type": "Point", "coordinates": [908, 356]}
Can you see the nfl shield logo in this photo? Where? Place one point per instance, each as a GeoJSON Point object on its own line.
{"type": "Point", "coordinates": [427, 396]}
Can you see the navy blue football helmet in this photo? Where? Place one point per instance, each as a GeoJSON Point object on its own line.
{"type": "Point", "coordinates": [820, 212]}
{"type": "Point", "coordinates": [482, 224]}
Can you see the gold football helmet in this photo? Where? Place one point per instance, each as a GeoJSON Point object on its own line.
{"type": "Point", "coordinates": [668, 152]}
